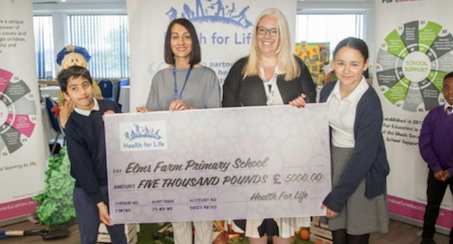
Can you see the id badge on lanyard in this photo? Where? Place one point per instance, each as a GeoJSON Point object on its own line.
{"type": "Point", "coordinates": [269, 86]}
{"type": "Point", "coordinates": [179, 95]}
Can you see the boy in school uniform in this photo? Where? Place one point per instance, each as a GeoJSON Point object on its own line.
{"type": "Point", "coordinates": [436, 148]}
{"type": "Point", "coordinates": [86, 149]}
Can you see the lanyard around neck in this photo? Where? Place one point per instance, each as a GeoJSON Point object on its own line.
{"type": "Point", "coordinates": [179, 96]}
{"type": "Point", "coordinates": [269, 85]}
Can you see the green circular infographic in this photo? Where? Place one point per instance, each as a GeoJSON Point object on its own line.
{"type": "Point", "coordinates": [411, 64]}
{"type": "Point", "coordinates": [17, 113]}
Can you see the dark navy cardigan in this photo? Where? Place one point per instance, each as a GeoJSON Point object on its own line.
{"type": "Point", "coordinates": [86, 149]}
{"type": "Point", "coordinates": [369, 159]}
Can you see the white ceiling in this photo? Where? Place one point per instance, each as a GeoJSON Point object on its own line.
{"type": "Point", "coordinates": [123, 1]}
{"type": "Point", "coordinates": [337, 1]}
{"type": "Point", "coordinates": [77, 1]}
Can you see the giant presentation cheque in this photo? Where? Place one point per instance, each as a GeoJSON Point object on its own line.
{"type": "Point", "coordinates": [207, 164]}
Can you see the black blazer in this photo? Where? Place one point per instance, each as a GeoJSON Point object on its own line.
{"type": "Point", "coordinates": [249, 91]}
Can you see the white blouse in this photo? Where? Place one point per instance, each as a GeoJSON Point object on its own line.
{"type": "Point", "coordinates": [342, 114]}
{"type": "Point", "coordinates": [278, 100]}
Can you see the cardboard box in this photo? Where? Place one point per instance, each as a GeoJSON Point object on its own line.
{"type": "Point", "coordinates": [129, 229]}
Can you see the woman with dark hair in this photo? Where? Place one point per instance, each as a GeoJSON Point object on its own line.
{"type": "Point", "coordinates": [185, 84]}
{"type": "Point", "coordinates": [357, 204]}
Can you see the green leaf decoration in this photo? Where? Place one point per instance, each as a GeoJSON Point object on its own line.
{"type": "Point", "coordinates": [55, 203]}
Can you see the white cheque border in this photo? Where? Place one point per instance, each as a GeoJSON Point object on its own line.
{"type": "Point", "coordinates": [229, 163]}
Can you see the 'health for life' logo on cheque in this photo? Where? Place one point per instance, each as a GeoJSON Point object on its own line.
{"type": "Point", "coordinates": [138, 136]}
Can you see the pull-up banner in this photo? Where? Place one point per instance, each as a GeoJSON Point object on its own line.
{"type": "Point", "coordinates": [22, 147]}
{"type": "Point", "coordinates": [414, 52]}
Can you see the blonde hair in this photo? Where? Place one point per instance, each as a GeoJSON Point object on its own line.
{"type": "Point", "coordinates": [286, 61]}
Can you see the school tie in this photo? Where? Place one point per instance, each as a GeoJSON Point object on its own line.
{"type": "Point", "coordinates": [448, 110]}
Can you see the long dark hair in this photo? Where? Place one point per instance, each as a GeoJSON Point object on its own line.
{"type": "Point", "coordinates": [195, 55]}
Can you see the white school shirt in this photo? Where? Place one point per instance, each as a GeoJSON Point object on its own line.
{"type": "Point", "coordinates": [87, 112]}
{"type": "Point", "coordinates": [342, 113]}
{"type": "Point", "coordinates": [447, 105]}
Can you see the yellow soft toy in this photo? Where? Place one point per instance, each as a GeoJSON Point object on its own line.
{"type": "Point", "coordinates": [67, 57]}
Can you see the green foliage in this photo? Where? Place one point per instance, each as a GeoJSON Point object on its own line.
{"type": "Point", "coordinates": [55, 203]}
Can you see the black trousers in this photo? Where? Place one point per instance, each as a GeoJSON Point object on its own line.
{"type": "Point", "coordinates": [436, 191]}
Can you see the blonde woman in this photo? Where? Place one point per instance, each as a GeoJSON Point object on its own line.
{"type": "Point", "coordinates": [270, 75]}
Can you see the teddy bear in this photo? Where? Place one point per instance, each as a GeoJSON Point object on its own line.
{"type": "Point", "coordinates": [72, 56]}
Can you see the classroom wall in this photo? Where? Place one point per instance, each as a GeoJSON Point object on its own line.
{"type": "Point", "coordinates": [59, 10]}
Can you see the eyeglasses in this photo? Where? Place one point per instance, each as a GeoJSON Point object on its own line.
{"type": "Point", "coordinates": [263, 31]}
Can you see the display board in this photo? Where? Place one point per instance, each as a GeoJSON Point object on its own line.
{"type": "Point", "coordinates": [413, 54]}
{"type": "Point", "coordinates": [315, 56]}
{"type": "Point", "coordinates": [17, 113]}
{"type": "Point", "coordinates": [412, 63]}
{"type": "Point", "coordinates": [22, 146]}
